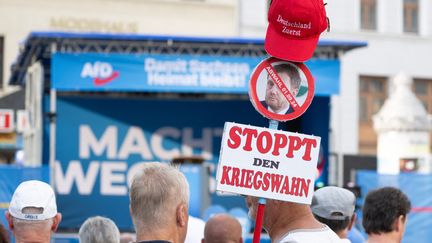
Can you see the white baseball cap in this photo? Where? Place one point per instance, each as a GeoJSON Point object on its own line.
{"type": "Point", "coordinates": [36, 194]}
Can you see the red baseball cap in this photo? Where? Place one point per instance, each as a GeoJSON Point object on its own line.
{"type": "Point", "coordinates": [294, 28]}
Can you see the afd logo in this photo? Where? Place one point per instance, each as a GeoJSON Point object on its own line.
{"type": "Point", "coordinates": [101, 72]}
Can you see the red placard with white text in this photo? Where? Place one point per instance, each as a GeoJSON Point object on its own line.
{"type": "Point", "coordinates": [267, 163]}
{"type": "Point", "coordinates": [6, 120]}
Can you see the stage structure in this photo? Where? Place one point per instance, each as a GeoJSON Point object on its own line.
{"type": "Point", "coordinates": [101, 105]}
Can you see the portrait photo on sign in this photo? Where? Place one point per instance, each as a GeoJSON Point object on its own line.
{"type": "Point", "coordinates": [281, 90]}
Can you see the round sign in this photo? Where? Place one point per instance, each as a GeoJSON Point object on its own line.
{"type": "Point", "coordinates": [281, 90]}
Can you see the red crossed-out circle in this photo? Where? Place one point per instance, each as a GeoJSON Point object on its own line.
{"type": "Point", "coordinates": [267, 66]}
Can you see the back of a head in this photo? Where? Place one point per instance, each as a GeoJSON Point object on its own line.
{"type": "Point", "coordinates": [333, 206]}
{"type": "Point", "coordinates": [222, 228]}
{"type": "Point", "coordinates": [37, 226]}
{"type": "Point", "coordinates": [155, 193]}
{"type": "Point", "coordinates": [382, 207]}
{"type": "Point", "coordinates": [99, 230]}
{"type": "Point", "coordinates": [33, 210]}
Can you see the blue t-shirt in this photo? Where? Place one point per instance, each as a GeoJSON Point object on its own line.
{"type": "Point", "coordinates": [355, 236]}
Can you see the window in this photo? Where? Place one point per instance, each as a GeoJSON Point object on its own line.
{"type": "Point", "coordinates": [373, 92]}
{"type": "Point", "coordinates": [372, 95]}
{"type": "Point", "coordinates": [1, 60]}
{"type": "Point", "coordinates": [368, 14]}
{"type": "Point", "coordinates": [423, 90]}
{"type": "Point", "coordinates": [410, 13]}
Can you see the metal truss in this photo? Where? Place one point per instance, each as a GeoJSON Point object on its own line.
{"type": "Point", "coordinates": [178, 48]}
{"type": "Point", "coordinates": [160, 47]}
{"type": "Point", "coordinates": [40, 48]}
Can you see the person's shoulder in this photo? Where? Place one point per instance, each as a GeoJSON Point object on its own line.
{"type": "Point", "coordinates": [263, 103]}
{"type": "Point", "coordinates": [290, 110]}
{"type": "Point", "coordinates": [299, 237]}
{"type": "Point", "coordinates": [289, 239]}
{"type": "Point", "coordinates": [325, 235]}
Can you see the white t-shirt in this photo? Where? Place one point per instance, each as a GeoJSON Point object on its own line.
{"type": "Point", "coordinates": [323, 235]}
{"type": "Point", "coordinates": [195, 231]}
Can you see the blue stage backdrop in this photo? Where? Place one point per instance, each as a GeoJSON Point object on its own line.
{"type": "Point", "coordinates": [100, 143]}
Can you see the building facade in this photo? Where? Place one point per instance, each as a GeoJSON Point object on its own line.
{"type": "Point", "coordinates": [165, 17]}
{"type": "Point", "coordinates": [398, 33]}
{"type": "Point", "coordinates": [399, 36]}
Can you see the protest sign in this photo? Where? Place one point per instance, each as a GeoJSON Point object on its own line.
{"type": "Point", "coordinates": [267, 163]}
{"type": "Point", "coordinates": [281, 90]}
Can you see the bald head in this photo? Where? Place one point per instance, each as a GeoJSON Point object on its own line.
{"type": "Point", "coordinates": [222, 228]}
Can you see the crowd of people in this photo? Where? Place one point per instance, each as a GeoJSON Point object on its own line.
{"type": "Point", "coordinates": [159, 204]}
